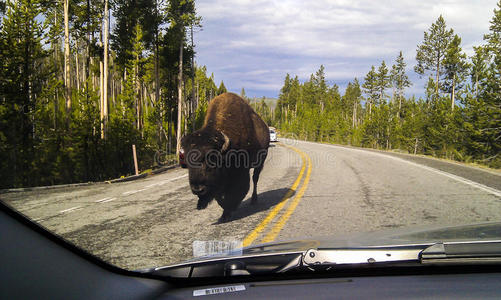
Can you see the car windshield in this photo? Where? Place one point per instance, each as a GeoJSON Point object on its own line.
{"type": "Point", "coordinates": [149, 133]}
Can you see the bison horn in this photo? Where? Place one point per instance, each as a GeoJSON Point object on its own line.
{"type": "Point", "coordinates": [226, 144]}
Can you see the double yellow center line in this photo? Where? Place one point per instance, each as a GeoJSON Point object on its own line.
{"type": "Point", "coordinates": [277, 226]}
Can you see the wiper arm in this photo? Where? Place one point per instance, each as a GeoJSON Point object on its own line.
{"type": "Point", "coordinates": [438, 253]}
{"type": "Point", "coordinates": [315, 257]}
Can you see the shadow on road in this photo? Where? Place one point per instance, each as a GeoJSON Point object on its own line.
{"type": "Point", "coordinates": [265, 201]}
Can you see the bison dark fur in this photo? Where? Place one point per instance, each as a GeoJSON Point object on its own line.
{"type": "Point", "coordinates": [219, 156]}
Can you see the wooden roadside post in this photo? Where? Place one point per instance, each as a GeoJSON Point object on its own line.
{"type": "Point", "coordinates": [135, 158]}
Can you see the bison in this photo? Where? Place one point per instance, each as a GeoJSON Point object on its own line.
{"type": "Point", "coordinates": [219, 156]}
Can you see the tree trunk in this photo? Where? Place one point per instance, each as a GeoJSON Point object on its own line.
{"type": "Point", "coordinates": [354, 113]}
{"type": "Point", "coordinates": [399, 103]}
{"type": "Point", "coordinates": [105, 66]}
{"type": "Point", "coordinates": [157, 62]}
{"type": "Point", "coordinates": [186, 115]}
{"type": "Point", "coordinates": [56, 99]}
{"type": "Point", "coordinates": [137, 93]}
{"type": "Point", "coordinates": [77, 66]}
{"type": "Point", "coordinates": [67, 82]}
{"type": "Point", "coordinates": [87, 59]}
{"type": "Point", "coordinates": [476, 86]}
{"type": "Point", "coordinates": [453, 94]}
{"type": "Point", "coordinates": [437, 75]}
{"type": "Point", "coordinates": [101, 97]}
{"type": "Point", "coordinates": [169, 132]}
{"type": "Point", "coordinates": [193, 102]}
{"type": "Point", "coordinates": [179, 94]}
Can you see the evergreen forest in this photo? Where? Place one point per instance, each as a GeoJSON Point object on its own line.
{"type": "Point", "coordinates": [82, 81]}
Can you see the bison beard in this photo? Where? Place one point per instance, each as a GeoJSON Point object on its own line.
{"type": "Point", "coordinates": [230, 126]}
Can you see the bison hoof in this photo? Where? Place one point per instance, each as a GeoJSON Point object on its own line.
{"type": "Point", "coordinates": [254, 200]}
{"type": "Point", "coordinates": [202, 205]}
{"type": "Point", "coordinates": [225, 217]}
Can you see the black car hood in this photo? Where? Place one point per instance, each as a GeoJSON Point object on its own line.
{"type": "Point", "coordinates": [413, 236]}
{"type": "Point", "coordinates": [401, 236]}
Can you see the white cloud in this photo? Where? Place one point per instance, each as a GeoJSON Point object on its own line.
{"type": "Point", "coordinates": [253, 44]}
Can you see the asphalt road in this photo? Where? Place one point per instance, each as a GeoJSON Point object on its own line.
{"type": "Point", "coordinates": [305, 190]}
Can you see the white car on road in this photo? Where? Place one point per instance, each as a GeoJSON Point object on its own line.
{"type": "Point", "coordinates": [273, 135]}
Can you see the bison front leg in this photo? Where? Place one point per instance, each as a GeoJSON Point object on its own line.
{"type": "Point", "coordinates": [234, 193]}
{"type": "Point", "coordinates": [203, 202]}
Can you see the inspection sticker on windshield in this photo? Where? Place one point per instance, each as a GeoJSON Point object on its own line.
{"type": "Point", "coordinates": [216, 248]}
{"type": "Point", "coordinates": [219, 290]}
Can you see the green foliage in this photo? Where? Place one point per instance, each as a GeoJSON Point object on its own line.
{"type": "Point", "coordinates": [43, 143]}
{"type": "Point", "coordinates": [129, 15]}
{"type": "Point", "coordinates": [487, 109]}
{"type": "Point", "coordinates": [22, 77]}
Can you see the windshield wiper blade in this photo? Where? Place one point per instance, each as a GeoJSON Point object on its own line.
{"type": "Point", "coordinates": [462, 252]}
{"type": "Point", "coordinates": [231, 266]}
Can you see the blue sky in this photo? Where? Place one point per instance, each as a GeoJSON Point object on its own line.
{"type": "Point", "coordinates": [254, 43]}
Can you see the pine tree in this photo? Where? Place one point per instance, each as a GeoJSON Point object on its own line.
{"type": "Point", "coordinates": [282, 109]}
{"type": "Point", "coordinates": [181, 13]}
{"type": "Point", "coordinates": [431, 53]}
{"type": "Point", "coordinates": [399, 80]}
{"type": "Point", "coordinates": [351, 99]}
{"type": "Point", "coordinates": [221, 89]}
{"type": "Point", "coordinates": [320, 86]}
{"type": "Point", "coordinates": [370, 87]}
{"type": "Point", "coordinates": [382, 82]}
{"type": "Point", "coordinates": [455, 69]}
{"type": "Point", "coordinates": [489, 124]}
{"type": "Point", "coordinates": [479, 68]}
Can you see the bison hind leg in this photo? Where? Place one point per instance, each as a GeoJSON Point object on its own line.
{"type": "Point", "coordinates": [225, 217]}
{"type": "Point", "coordinates": [255, 178]}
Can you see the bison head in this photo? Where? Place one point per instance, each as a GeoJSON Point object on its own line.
{"type": "Point", "coordinates": [203, 151]}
